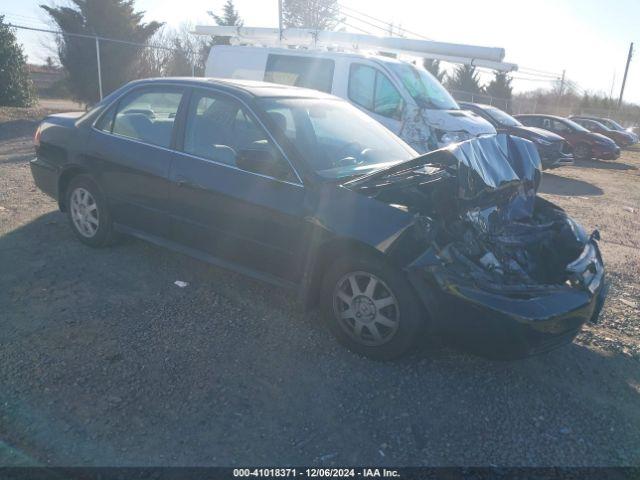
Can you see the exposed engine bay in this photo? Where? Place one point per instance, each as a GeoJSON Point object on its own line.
{"type": "Point", "coordinates": [475, 204]}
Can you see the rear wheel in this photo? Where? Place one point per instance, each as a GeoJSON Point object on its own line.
{"type": "Point", "coordinates": [371, 308]}
{"type": "Point", "coordinates": [88, 212]}
{"type": "Point", "coordinates": [583, 151]}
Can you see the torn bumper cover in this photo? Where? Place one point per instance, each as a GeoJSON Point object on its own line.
{"type": "Point", "coordinates": [508, 322]}
{"type": "Point", "coordinates": [514, 274]}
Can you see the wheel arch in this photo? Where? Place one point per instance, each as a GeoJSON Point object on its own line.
{"type": "Point", "coordinates": [325, 256]}
{"type": "Point", "coordinates": [68, 173]}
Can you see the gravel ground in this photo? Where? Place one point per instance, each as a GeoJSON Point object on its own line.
{"type": "Point", "coordinates": [104, 361]}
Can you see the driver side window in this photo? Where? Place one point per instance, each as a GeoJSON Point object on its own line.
{"type": "Point", "coordinates": [220, 129]}
{"type": "Point", "coordinates": [371, 89]}
{"type": "Point", "coordinates": [560, 127]}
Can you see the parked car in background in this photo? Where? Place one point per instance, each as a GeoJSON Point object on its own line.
{"type": "Point", "coordinates": [553, 149]}
{"type": "Point", "coordinates": [299, 188]}
{"type": "Point", "coordinates": [607, 122]}
{"type": "Point", "coordinates": [623, 138]}
{"type": "Point", "coordinates": [585, 144]}
{"type": "Point", "coordinates": [405, 98]}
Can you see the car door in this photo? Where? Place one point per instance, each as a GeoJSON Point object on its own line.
{"type": "Point", "coordinates": [234, 197]}
{"type": "Point", "coordinates": [565, 131]}
{"type": "Point", "coordinates": [131, 144]}
{"type": "Point", "coordinates": [372, 90]}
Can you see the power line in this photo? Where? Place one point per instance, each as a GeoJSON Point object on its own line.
{"type": "Point", "coordinates": [352, 17]}
{"type": "Point", "coordinates": [388, 24]}
{"type": "Point", "coordinates": [94, 37]}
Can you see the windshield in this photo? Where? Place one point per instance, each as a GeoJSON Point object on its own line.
{"type": "Point", "coordinates": [423, 87]}
{"type": "Point", "coordinates": [613, 125]}
{"type": "Point", "coordinates": [575, 125]}
{"type": "Point", "coordinates": [335, 138]}
{"type": "Point", "coordinates": [501, 117]}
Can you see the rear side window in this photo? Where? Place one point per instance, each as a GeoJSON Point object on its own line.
{"type": "Point", "coordinates": [148, 115]}
{"type": "Point", "coordinates": [373, 90]}
{"type": "Point", "coordinates": [218, 128]}
{"type": "Point", "coordinates": [308, 72]}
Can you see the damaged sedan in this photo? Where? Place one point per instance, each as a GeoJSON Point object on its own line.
{"type": "Point", "coordinates": [301, 189]}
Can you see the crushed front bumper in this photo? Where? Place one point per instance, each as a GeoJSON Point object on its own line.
{"type": "Point", "coordinates": [555, 155]}
{"type": "Point", "coordinates": [514, 321]}
{"type": "Point", "coordinates": [605, 153]}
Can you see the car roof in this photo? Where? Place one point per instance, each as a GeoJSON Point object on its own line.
{"type": "Point", "coordinates": [556, 117]}
{"type": "Point", "coordinates": [251, 88]}
{"type": "Point", "coordinates": [482, 106]}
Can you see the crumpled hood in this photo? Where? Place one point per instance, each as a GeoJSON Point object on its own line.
{"type": "Point", "coordinates": [453, 120]}
{"type": "Point", "coordinates": [493, 170]}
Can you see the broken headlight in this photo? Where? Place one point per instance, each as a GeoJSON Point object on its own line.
{"type": "Point", "coordinates": [446, 138]}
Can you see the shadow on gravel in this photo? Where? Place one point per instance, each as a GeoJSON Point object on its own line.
{"type": "Point", "coordinates": [604, 165]}
{"type": "Point", "coordinates": [17, 159]}
{"type": "Point", "coordinates": [17, 128]}
{"type": "Point", "coordinates": [106, 362]}
{"type": "Point", "coordinates": [558, 185]}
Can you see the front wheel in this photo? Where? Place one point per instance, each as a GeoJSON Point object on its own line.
{"type": "Point", "coordinates": [371, 308]}
{"type": "Point", "coordinates": [583, 151]}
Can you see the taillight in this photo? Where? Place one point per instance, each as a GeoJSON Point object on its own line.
{"type": "Point", "coordinates": [36, 137]}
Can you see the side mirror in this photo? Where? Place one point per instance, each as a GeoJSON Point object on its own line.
{"type": "Point", "coordinates": [263, 162]}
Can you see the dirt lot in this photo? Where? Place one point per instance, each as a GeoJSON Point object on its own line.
{"type": "Point", "coordinates": [104, 361]}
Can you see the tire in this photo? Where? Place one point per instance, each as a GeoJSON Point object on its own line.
{"type": "Point", "coordinates": [88, 212]}
{"type": "Point", "coordinates": [583, 151]}
{"type": "Point", "coordinates": [390, 319]}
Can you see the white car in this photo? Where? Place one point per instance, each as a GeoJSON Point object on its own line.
{"type": "Point", "coordinates": [406, 99]}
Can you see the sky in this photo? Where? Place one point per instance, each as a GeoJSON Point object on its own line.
{"type": "Point", "coordinates": [589, 39]}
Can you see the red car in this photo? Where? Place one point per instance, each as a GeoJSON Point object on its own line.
{"type": "Point", "coordinates": [585, 144]}
{"type": "Point", "coordinates": [622, 139]}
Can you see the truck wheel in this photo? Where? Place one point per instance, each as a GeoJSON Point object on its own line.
{"type": "Point", "coordinates": [371, 307]}
{"type": "Point", "coordinates": [88, 212]}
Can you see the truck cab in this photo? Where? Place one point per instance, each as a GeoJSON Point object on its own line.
{"type": "Point", "coordinates": [403, 97]}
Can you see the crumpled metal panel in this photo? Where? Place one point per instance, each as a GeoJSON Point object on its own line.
{"type": "Point", "coordinates": [416, 131]}
{"type": "Point", "coordinates": [495, 162]}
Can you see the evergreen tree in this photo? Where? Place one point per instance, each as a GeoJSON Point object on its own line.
{"type": "Point", "coordinates": [500, 86]}
{"type": "Point", "coordinates": [433, 67]}
{"type": "Point", "coordinates": [105, 18]}
{"type": "Point", "coordinates": [465, 78]}
{"type": "Point", "coordinates": [229, 18]}
{"type": "Point", "coordinates": [16, 89]}
{"type": "Point", "coordinates": [317, 14]}
{"type": "Point", "coordinates": [179, 64]}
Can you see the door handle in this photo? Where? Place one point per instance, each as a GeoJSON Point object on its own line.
{"type": "Point", "coordinates": [184, 182]}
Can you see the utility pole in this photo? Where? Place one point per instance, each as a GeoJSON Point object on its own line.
{"type": "Point", "coordinates": [626, 70]}
{"type": "Point", "coordinates": [280, 18]}
{"type": "Point", "coordinates": [564, 72]}
{"type": "Point", "coordinates": [562, 83]}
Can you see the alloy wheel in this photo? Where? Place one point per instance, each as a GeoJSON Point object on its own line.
{"type": "Point", "coordinates": [366, 308]}
{"type": "Point", "coordinates": [84, 212]}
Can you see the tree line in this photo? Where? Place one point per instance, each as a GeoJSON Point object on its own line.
{"type": "Point", "coordinates": [176, 52]}
{"type": "Point", "coordinates": [466, 78]}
